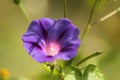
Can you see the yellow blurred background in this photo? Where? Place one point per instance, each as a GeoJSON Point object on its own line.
{"type": "Point", "coordinates": [104, 36]}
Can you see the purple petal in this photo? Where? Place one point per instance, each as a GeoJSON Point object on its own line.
{"type": "Point", "coordinates": [75, 43]}
{"type": "Point", "coordinates": [66, 54]}
{"type": "Point", "coordinates": [69, 41]}
{"type": "Point", "coordinates": [71, 33]}
{"type": "Point", "coordinates": [58, 29]}
{"type": "Point", "coordinates": [40, 27]}
{"type": "Point", "coordinates": [70, 38]}
{"type": "Point", "coordinates": [42, 58]}
{"type": "Point", "coordinates": [30, 36]}
{"type": "Point", "coordinates": [69, 49]}
{"type": "Point", "coordinates": [32, 46]}
{"type": "Point", "coordinates": [47, 23]}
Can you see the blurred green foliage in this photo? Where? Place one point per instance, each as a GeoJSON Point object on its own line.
{"type": "Point", "coordinates": [102, 37]}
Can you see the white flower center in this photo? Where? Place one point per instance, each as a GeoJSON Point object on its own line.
{"type": "Point", "coordinates": [52, 49]}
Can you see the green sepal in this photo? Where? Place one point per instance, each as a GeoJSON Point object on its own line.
{"type": "Point", "coordinates": [66, 63]}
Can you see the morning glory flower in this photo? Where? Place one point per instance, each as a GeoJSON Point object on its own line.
{"type": "Point", "coordinates": [47, 40]}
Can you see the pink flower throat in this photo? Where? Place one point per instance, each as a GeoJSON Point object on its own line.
{"type": "Point", "coordinates": [52, 49]}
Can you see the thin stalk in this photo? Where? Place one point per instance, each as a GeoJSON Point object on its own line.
{"type": "Point", "coordinates": [65, 8]}
{"type": "Point", "coordinates": [88, 26]}
{"type": "Point", "coordinates": [24, 11]}
{"type": "Point", "coordinates": [107, 16]}
{"type": "Point", "coordinates": [88, 57]}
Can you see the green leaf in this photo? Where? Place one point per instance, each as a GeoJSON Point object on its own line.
{"type": "Point", "coordinates": [72, 73]}
{"type": "Point", "coordinates": [93, 73]}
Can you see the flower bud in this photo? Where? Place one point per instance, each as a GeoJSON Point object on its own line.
{"type": "Point", "coordinates": [17, 2]}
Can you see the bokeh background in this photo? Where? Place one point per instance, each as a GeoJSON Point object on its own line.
{"type": "Point", "coordinates": [104, 36]}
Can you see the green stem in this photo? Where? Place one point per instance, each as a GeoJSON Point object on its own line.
{"type": "Point", "coordinates": [88, 26]}
{"type": "Point", "coordinates": [52, 67]}
{"type": "Point", "coordinates": [88, 57]}
{"type": "Point", "coordinates": [61, 73]}
{"type": "Point", "coordinates": [107, 16]}
{"type": "Point", "coordinates": [61, 77]}
{"type": "Point", "coordinates": [24, 11]}
{"type": "Point", "coordinates": [65, 8]}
